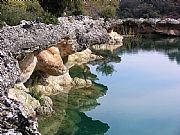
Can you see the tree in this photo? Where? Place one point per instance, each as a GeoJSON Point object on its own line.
{"type": "Point", "coordinates": [58, 7]}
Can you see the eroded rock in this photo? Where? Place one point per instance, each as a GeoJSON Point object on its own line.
{"type": "Point", "coordinates": [35, 43]}
{"type": "Point", "coordinates": [81, 57]}
{"type": "Point", "coordinates": [29, 103]}
{"type": "Point", "coordinates": [27, 66]}
{"type": "Point", "coordinates": [54, 84]}
{"type": "Point", "coordinates": [50, 62]}
{"type": "Point", "coordinates": [46, 106]}
{"type": "Point", "coordinates": [14, 121]}
{"type": "Point", "coordinates": [131, 26]}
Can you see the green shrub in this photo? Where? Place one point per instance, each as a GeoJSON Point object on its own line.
{"type": "Point", "coordinates": [108, 12]}
{"type": "Point", "coordinates": [48, 18]}
{"type": "Point", "coordinates": [12, 12]}
{"type": "Point", "coordinates": [101, 8]}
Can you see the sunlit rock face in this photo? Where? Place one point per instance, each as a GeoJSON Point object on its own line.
{"type": "Point", "coordinates": [52, 85]}
{"type": "Point", "coordinates": [66, 48]}
{"type": "Point", "coordinates": [81, 57]}
{"type": "Point", "coordinates": [115, 38]}
{"type": "Point", "coordinates": [50, 62]}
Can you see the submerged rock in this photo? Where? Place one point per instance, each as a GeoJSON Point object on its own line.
{"type": "Point", "coordinates": [46, 106]}
{"type": "Point", "coordinates": [79, 83]}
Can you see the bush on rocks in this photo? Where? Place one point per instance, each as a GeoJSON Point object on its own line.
{"type": "Point", "coordinates": [12, 12]}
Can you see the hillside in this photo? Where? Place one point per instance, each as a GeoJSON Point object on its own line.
{"type": "Point", "coordinates": [149, 8]}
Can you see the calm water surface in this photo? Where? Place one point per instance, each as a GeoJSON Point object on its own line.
{"type": "Point", "coordinates": [143, 96]}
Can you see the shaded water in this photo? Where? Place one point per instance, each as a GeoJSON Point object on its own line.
{"type": "Point", "coordinates": [143, 96]}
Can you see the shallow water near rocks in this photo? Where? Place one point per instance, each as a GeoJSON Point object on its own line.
{"type": "Point", "coordinates": [143, 96]}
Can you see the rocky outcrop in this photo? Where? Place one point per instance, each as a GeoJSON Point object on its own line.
{"type": "Point", "coordinates": [27, 47]}
{"type": "Point", "coordinates": [47, 48]}
{"type": "Point", "coordinates": [130, 26]}
{"type": "Point", "coordinates": [50, 62]}
{"type": "Point", "coordinates": [80, 58]}
{"type": "Point", "coordinates": [33, 47]}
{"type": "Point", "coordinates": [82, 32]}
{"type": "Point", "coordinates": [29, 103]}
{"type": "Point", "coordinates": [52, 85]}
{"type": "Point", "coordinates": [13, 120]}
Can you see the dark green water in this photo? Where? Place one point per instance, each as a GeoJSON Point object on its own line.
{"type": "Point", "coordinates": [143, 96]}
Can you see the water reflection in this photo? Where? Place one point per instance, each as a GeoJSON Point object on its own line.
{"type": "Point", "coordinates": [70, 118]}
{"type": "Point", "coordinates": [132, 45]}
{"type": "Point", "coordinates": [143, 96]}
{"type": "Point", "coordinates": [130, 93]}
{"type": "Point", "coordinates": [105, 65]}
{"type": "Point", "coordinates": [168, 46]}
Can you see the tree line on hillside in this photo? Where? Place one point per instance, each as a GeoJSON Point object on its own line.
{"type": "Point", "coordinates": [47, 11]}
{"type": "Point", "coordinates": [149, 9]}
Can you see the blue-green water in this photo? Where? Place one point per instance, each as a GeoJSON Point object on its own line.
{"type": "Point", "coordinates": [143, 96]}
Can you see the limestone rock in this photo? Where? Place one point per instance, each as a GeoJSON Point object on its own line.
{"type": "Point", "coordinates": [115, 37]}
{"type": "Point", "coordinates": [66, 48]}
{"type": "Point", "coordinates": [46, 106]}
{"type": "Point", "coordinates": [110, 47]}
{"type": "Point", "coordinates": [50, 61]}
{"type": "Point", "coordinates": [29, 103]}
{"type": "Point", "coordinates": [131, 26]}
{"type": "Point", "coordinates": [55, 84]}
{"type": "Point", "coordinates": [27, 66]}
{"type": "Point", "coordinates": [78, 82]}
{"type": "Point", "coordinates": [81, 57]}
{"type": "Point", "coordinates": [22, 40]}
{"type": "Point", "coordinates": [9, 71]}
{"type": "Point", "coordinates": [13, 118]}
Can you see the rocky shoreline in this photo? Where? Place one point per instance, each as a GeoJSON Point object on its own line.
{"type": "Point", "coordinates": [51, 50]}
{"type": "Point", "coordinates": [131, 26]}
{"type": "Point", "coordinates": [31, 47]}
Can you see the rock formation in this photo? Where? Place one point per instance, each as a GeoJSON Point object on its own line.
{"type": "Point", "coordinates": [130, 26]}
{"type": "Point", "coordinates": [38, 47]}
{"type": "Point", "coordinates": [46, 49]}
{"type": "Point", "coordinates": [50, 62]}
